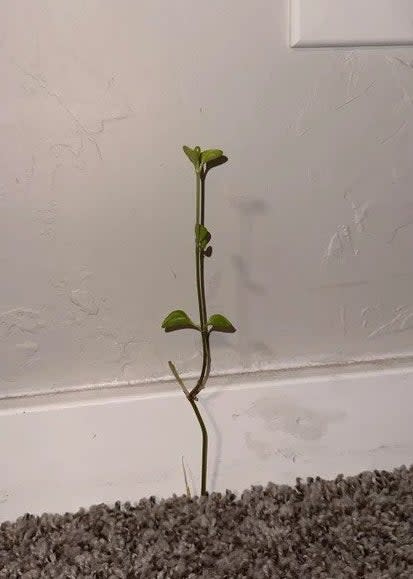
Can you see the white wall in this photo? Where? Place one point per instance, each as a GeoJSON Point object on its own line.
{"type": "Point", "coordinates": [312, 223]}
{"type": "Point", "coordinates": [312, 218]}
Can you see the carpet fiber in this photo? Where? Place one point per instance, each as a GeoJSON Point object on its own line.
{"type": "Point", "coordinates": [359, 526]}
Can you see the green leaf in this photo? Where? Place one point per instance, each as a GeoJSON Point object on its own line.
{"type": "Point", "coordinates": [178, 320]}
{"type": "Point", "coordinates": [210, 155]}
{"type": "Point", "coordinates": [194, 155]}
{"type": "Point", "coordinates": [220, 323]}
{"type": "Point", "coordinates": [202, 236]}
{"type": "Point", "coordinates": [215, 163]}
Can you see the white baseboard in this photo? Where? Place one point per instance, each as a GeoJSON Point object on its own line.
{"type": "Point", "coordinates": [62, 451]}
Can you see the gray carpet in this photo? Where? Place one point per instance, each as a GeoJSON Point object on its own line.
{"type": "Point", "coordinates": [358, 526]}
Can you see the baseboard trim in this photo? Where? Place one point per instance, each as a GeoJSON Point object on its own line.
{"type": "Point", "coordinates": [60, 451]}
{"type": "Point", "coordinates": [101, 393]}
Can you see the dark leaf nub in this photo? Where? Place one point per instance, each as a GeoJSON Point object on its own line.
{"type": "Point", "coordinates": [208, 251]}
{"type": "Point", "coordinates": [178, 320]}
{"type": "Point", "coordinates": [220, 323]}
{"type": "Point", "coordinates": [202, 236]}
{"type": "Point", "coordinates": [216, 163]}
{"type": "Point", "coordinates": [210, 155]}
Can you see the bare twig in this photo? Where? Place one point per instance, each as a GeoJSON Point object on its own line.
{"type": "Point", "coordinates": [188, 490]}
{"type": "Point", "coordinates": [178, 378]}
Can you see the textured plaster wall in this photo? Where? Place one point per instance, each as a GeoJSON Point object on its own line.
{"type": "Point", "coordinates": [312, 217]}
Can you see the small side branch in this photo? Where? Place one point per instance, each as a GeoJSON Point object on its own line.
{"type": "Point", "coordinates": [178, 378]}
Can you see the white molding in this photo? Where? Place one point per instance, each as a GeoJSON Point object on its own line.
{"type": "Point", "coordinates": [80, 394]}
{"type": "Point", "coordinates": [318, 23]}
{"type": "Point", "coordinates": [60, 452]}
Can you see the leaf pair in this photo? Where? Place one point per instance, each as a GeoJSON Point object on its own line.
{"type": "Point", "coordinates": [200, 158]}
{"type": "Point", "coordinates": [179, 320]}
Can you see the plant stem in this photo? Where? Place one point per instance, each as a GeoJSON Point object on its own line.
{"type": "Point", "coordinates": [204, 445]}
{"type": "Point", "coordinates": [204, 459]}
{"type": "Point", "coordinates": [206, 352]}
{"type": "Point", "coordinates": [199, 256]}
{"type": "Point", "coordinates": [200, 285]}
{"type": "Point", "coordinates": [202, 297]}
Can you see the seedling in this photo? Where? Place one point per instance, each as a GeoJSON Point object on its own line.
{"type": "Point", "coordinates": [203, 162]}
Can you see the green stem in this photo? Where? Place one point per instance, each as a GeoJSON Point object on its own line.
{"type": "Point", "coordinates": [202, 208]}
{"type": "Point", "coordinates": [200, 285]}
{"type": "Point", "coordinates": [206, 352]}
{"type": "Point", "coordinates": [199, 255]}
{"type": "Point", "coordinates": [204, 446]}
{"type": "Point", "coordinates": [205, 333]}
